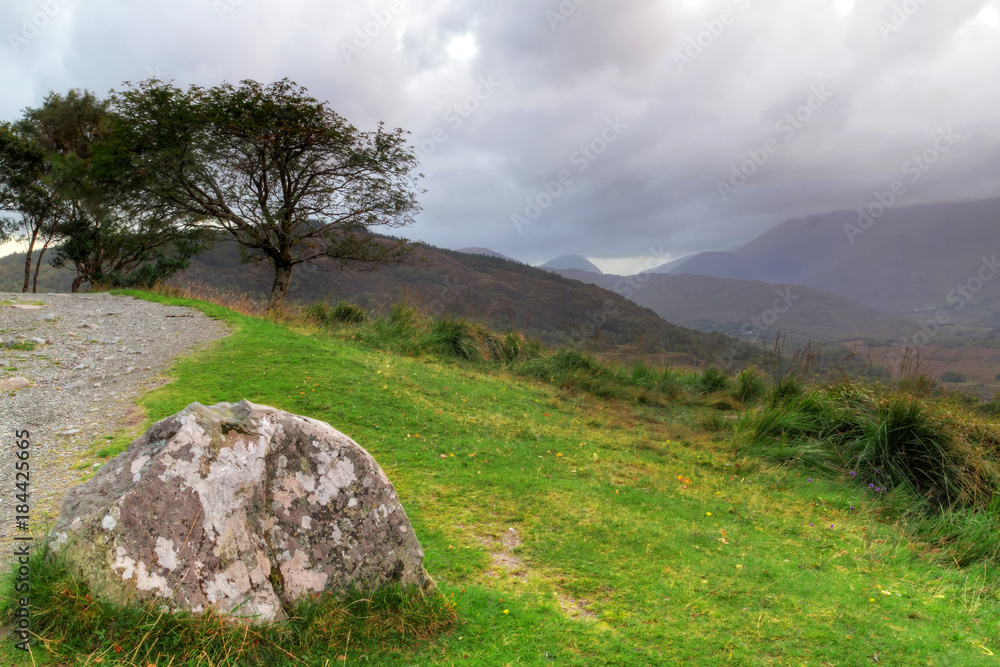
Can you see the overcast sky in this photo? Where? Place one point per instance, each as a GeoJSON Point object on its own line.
{"type": "Point", "coordinates": [634, 130]}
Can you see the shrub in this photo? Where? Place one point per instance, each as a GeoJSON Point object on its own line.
{"type": "Point", "coordinates": [318, 313]}
{"type": "Point", "coordinates": [348, 313]}
{"type": "Point", "coordinates": [900, 445]}
{"type": "Point", "coordinates": [643, 376]}
{"type": "Point", "coordinates": [750, 385]}
{"type": "Point", "coordinates": [951, 376]}
{"type": "Point", "coordinates": [568, 360]}
{"type": "Point", "coordinates": [507, 348]}
{"type": "Point", "coordinates": [712, 379]}
{"type": "Point", "coordinates": [787, 387]}
{"type": "Point", "coordinates": [671, 383]}
{"type": "Point", "coordinates": [456, 338]}
{"type": "Point", "coordinates": [399, 324]}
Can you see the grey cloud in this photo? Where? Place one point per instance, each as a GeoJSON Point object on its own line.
{"type": "Point", "coordinates": [656, 184]}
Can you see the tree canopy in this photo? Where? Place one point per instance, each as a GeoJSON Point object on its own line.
{"type": "Point", "coordinates": [61, 174]}
{"type": "Point", "coordinates": [27, 191]}
{"type": "Point", "coordinates": [284, 174]}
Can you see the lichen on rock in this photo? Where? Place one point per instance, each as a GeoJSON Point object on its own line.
{"type": "Point", "coordinates": [238, 506]}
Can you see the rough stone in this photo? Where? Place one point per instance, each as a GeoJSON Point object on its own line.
{"type": "Point", "coordinates": [239, 506]}
{"type": "Point", "coordinates": [14, 384]}
{"type": "Point", "coordinates": [85, 364]}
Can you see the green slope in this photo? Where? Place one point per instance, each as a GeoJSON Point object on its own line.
{"type": "Point", "coordinates": [574, 530]}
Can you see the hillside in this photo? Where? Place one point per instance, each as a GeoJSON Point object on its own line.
{"type": "Point", "coordinates": [498, 292]}
{"type": "Point", "coordinates": [49, 280]}
{"type": "Point", "coordinates": [487, 252]}
{"type": "Point", "coordinates": [568, 528]}
{"type": "Point", "coordinates": [906, 263]}
{"type": "Point", "coordinates": [567, 262]}
{"type": "Point", "coordinates": [740, 308]}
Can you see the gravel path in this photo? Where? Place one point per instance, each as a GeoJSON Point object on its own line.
{"type": "Point", "coordinates": [88, 358]}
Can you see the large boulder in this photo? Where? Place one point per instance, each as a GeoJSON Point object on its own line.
{"type": "Point", "coordinates": [241, 506]}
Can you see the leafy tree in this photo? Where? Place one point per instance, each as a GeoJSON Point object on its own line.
{"type": "Point", "coordinates": [284, 174]}
{"type": "Point", "coordinates": [27, 191]}
{"type": "Point", "coordinates": [107, 231]}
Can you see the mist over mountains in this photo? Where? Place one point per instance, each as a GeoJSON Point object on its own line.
{"type": "Point", "coordinates": [897, 260]}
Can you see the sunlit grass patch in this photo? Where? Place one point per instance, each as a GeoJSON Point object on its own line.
{"type": "Point", "coordinates": [574, 512]}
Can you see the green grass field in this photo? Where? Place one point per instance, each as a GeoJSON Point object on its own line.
{"type": "Point", "coordinates": [562, 528]}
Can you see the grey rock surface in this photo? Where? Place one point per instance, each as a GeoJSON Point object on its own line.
{"type": "Point", "coordinates": [239, 506]}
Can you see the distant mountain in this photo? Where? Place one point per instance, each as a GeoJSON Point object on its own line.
{"type": "Point", "coordinates": [567, 262]}
{"type": "Point", "coordinates": [671, 265]}
{"type": "Point", "coordinates": [487, 252]}
{"type": "Point", "coordinates": [752, 310]}
{"type": "Point", "coordinates": [906, 261]}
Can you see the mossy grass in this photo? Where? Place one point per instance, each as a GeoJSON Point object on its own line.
{"type": "Point", "coordinates": [576, 512]}
{"type": "Point", "coordinates": [66, 614]}
{"type": "Point", "coordinates": [16, 301]}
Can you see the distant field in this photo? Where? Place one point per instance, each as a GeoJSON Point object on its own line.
{"type": "Point", "coordinates": [980, 365]}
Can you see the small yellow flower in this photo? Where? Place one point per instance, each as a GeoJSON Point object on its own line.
{"type": "Point", "coordinates": [708, 514]}
{"type": "Point", "coordinates": [506, 611]}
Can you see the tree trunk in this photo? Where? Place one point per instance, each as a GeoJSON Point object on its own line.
{"type": "Point", "coordinates": [79, 280]}
{"type": "Point", "coordinates": [38, 266]}
{"type": "Point", "coordinates": [27, 259]}
{"type": "Point", "coordinates": [282, 279]}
